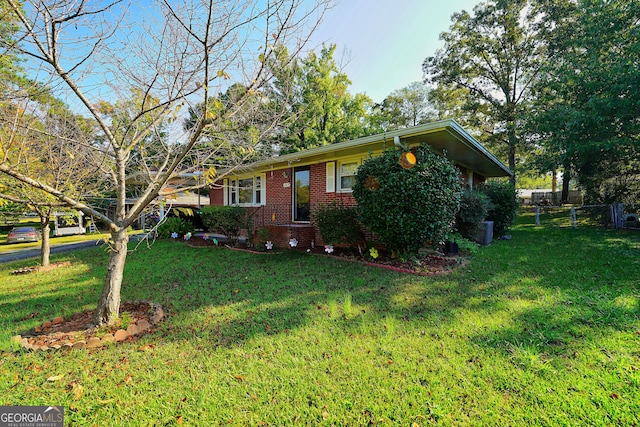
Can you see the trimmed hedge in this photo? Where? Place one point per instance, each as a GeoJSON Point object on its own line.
{"type": "Point", "coordinates": [407, 208]}
{"type": "Point", "coordinates": [227, 220]}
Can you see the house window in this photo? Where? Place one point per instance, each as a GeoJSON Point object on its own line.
{"type": "Point", "coordinates": [246, 191]}
{"type": "Point", "coordinates": [347, 174]}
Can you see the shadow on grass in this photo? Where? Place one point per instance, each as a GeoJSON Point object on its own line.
{"type": "Point", "coordinates": [540, 287]}
{"type": "Point", "coordinates": [29, 300]}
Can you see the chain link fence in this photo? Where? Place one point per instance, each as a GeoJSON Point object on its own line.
{"type": "Point", "coordinates": [616, 216]}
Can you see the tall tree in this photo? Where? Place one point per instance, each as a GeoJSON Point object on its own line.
{"type": "Point", "coordinates": [320, 108]}
{"type": "Point", "coordinates": [491, 57]}
{"type": "Point", "coordinates": [174, 55]}
{"type": "Point", "coordinates": [587, 119]}
{"type": "Point", "coordinates": [409, 106]}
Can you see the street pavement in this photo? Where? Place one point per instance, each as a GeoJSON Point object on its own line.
{"type": "Point", "coordinates": [18, 254]}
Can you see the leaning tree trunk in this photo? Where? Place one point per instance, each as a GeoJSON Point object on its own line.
{"type": "Point", "coordinates": [45, 248]}
{"type": "Point", "coordinates": [109, 303]}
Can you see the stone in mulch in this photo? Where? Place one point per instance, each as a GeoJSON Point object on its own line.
{"type": "Point", "coordinates": [78, 333]}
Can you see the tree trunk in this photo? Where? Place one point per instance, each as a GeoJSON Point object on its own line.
{"type": "Point", "coordinates": [512, 141]}
{"type": "Point", "coordinates": [512, 161]}
{"type": "Point", "coordinates": [109, 303]}
{"type": "Point", "coordinates": [45, 248]}
{"type": "Point", "coordinates": [566, 178]}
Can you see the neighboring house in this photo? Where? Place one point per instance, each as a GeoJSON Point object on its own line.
{"type": "Point", "coordinates": [283, 191]}
{"type": "Point", "coordinates": [165, 201]}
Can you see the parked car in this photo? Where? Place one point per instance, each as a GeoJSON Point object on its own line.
{"type": "Point", "coordinates": [24, 234]}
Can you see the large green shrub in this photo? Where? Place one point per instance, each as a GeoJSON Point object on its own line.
{"type": "Point", "coordinates": [227, 220]}
{"type": "Point", "coordinates": [504, 205]}
{"type": "Point", "coordinates": [407, 208]}
{"type": "Point", "coordinates": [474, 207]}
{"type": "Point", "coordinates": [338, 224]}
{"type": "Point", "coordinates": [174, 224]}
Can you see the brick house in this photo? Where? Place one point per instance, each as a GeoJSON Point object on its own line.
{"type": "Point", "coordinates": [283, 191]}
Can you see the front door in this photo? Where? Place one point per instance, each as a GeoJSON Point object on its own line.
{"type": "Point", "coordinates": [301, 193]}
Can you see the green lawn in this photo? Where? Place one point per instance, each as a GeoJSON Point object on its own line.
{"type": "Point", "coordinates": [542, 329]}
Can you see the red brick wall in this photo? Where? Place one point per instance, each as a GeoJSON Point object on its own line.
{"type": "Point", "coordinates": [278, 205]}
{"type": "Point", "coordinates": [319, 193]}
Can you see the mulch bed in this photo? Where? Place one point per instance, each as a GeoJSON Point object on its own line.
{"type": "Point", "coordinates": [429, 265]}
{"type": "Point", "coordinates": [78, 331]}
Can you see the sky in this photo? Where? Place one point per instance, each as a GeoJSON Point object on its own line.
{"type": "Point", "coordinates": [386, 40]}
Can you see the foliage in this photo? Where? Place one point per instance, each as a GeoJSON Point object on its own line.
{"type": "Point", "coordinates": [174, 224]}
{"type": "Point", "coordinates": [407, 208]}
{"type": "Point", "coordinates": [465, 245]}
{"type": "Point", "coordinates": [504, 205]}
{"type": "Point", "coordinates": [489, 60]}
{"type": "Point", "coordinates": [406, 107]}
{"type": "Point", "coordinates": [227, 220]}
{"type": "Point", "coordinates": [263, 235]}
{"type": "Point", "coordinates": [586, 117]}
{"type": "Point", "coordinates": [315, 91]}
{"type": "Point", "coordinates": [474, 207]}
{"type": "Point", "coordinates": [338, 224]}
{"type": "Point", "coordinates": [10, 211]}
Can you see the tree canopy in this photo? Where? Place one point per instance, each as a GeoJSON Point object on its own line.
{"type": "Point", "coordinates": [587, 115]}
{"type": "Point", "coordinates": [490, 59]}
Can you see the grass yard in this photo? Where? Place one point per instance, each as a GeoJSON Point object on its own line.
{"type": "Point", "coordinates": [540, 330]}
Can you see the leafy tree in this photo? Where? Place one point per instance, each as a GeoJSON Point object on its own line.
{"type": "Point", "coordinates": [314, 92]}
{"type": "Point", "coordinates": [173, 56]}
{"type": "Point", "coordinates": [586, 119]}
{"type": "Point", "coordinates": [242, 118]}
{"type": "Point", "coordinates": [406, 107]}
{"type": "Point", "coordinates": [490, 60]}
{"type": "Point", "coordinates": [407, 208]}
{"type": "Point", "coordinates": [35, 139]}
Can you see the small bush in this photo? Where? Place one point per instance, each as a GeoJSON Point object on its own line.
{"type": "Point", "coordinates": [474, 207]}
{"type": "Point", "coordinates": [174, 224]}
{"type": "Point", "coordinates": [338, 224]}
{"type": "Point", "coordinates": [227, 220]}
{"type": "Point", "coordinates": [504, 205]}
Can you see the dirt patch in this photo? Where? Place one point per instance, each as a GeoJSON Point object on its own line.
{"type": "Point", "coordinates": [78, 331]}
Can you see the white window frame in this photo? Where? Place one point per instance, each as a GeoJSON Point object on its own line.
{"type": "Point", "coordinates": [258, 190]}
{"type": "Point", "coordinates": [340, 163]}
